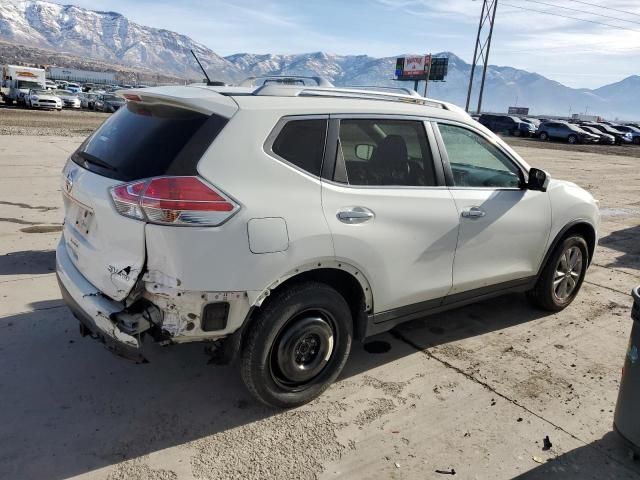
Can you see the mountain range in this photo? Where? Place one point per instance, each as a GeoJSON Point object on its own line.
{"type": "Point", "coordinates": [111, 38]}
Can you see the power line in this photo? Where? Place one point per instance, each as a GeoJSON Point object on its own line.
{"type": "Point", "coordinates": [605, 8]}
{"type": "Point", "coordinates": [545, 12]}
{"type": "Point", "coordinates": [588, 13]}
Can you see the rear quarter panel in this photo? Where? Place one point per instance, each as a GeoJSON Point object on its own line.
{"type": "Point", "coordinates": [220, 258]}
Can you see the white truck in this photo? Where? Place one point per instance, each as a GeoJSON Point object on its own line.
{"type": "Point", "coordinates": [18, 80]}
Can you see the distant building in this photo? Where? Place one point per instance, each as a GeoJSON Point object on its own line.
{"type": "Point", "coordinates": [82, 76]}
{"type": "Point", "coordinates": [586, 118]}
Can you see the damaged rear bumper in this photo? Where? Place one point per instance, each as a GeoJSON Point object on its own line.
{"type": "Point", "coordinates": [93, 310]}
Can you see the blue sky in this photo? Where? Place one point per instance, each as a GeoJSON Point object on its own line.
{"type": "Point", "coordinates": [578, 54]}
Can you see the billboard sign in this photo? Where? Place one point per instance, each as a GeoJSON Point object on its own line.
{"type": "Point", "coordinates": [518, 111]}
{"type": "Point", "coordinates": [417, 67]}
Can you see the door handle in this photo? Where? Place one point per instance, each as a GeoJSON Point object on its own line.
{"type": "Point", "coordinates": [354, 215]}
{"type": "Point", "coordinates": [473, 212]}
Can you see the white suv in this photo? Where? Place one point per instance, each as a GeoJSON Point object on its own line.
{"type": "Point", "coordinates": [281, 222]}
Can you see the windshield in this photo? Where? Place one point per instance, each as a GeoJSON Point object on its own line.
{"type": "Point", "coordinates": [111, 98]}
{"type": "Point", "coordinates": [28, 84]}
{"type": "Point", "coordinates": [63, 92]}
{"type": "Point", "coordinates": [39, 92]}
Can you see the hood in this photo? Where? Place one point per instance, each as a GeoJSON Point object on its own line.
{"type": "Point", "coordinates": [555, 182]}
{"type": "Point", "coordinates": [47, 96]}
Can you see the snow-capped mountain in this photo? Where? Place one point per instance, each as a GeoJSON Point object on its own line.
{"type": "Point", "coordinates": [504, 86]}
{"type": "Point", "coordinates": [108, 36]}
{"type": "Point", "coordinates": [113, 39]}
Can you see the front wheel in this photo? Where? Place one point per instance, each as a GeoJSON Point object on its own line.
{"type": "Point", "coordinates": [562, 276]}
{"type": "Point", "coordinates": [572, 139]}
{"type": "Point", "coordinates": [297, 345]}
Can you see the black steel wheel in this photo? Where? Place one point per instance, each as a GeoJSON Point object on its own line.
{"type": "Point", "coordinates": [303, 349]}
{"type": "Point", "coordinates": [297, 344]}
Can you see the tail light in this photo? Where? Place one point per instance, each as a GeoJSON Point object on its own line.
{"type": "Point", "coordinates": [173, 201]}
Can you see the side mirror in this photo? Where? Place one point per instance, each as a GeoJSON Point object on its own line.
{"type": "Point", "coordinates": [364, 151]}
{"type": "Point", "coordinates": [538, 180]}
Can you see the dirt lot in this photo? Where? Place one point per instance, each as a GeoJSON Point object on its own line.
{"type": "Point", "coordinates": [619, 150]}
{"type": "Point", "coordinates": [66, 123]}
{"type": "Point", "coordinates": [475, 390]}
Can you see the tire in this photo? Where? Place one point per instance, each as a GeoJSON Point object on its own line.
{"type": "Point", "coordinates": [517, 133]}
{"type": "Point", "coordinates": [572, 139]}
{"type": "Point", "coordinates": [559, 270]}
{"type": "Point", "coordinates": [544, 136]}
{"type": "Point", "coordinates": [636, 141]}
{"type": "Point", "coordinates": [307, 325]}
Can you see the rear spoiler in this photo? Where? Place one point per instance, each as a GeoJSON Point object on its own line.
{"type": "Point", "coordinates": [201, 100]}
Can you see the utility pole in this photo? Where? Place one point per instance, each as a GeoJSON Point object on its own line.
{"type": "Point", "coordinates": [482, 48]}
{"type": "Point", "coordinates": [426, 82]}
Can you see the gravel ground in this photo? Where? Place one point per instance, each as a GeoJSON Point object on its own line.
{"type": "Point", "coordinates": [66, 123]}
{"type": "Point", "coordinates": [619, 150]}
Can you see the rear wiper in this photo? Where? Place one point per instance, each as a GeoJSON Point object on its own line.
{"type": "Point", "coordinates": [88, 158]}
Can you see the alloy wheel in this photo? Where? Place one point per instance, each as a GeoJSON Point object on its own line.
{"type": "Point", "coordinates": [567, 273]}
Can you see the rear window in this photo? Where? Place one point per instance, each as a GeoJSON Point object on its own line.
{"type": "Point", "coordinates": [140, 141]}
{"type": "Point", "coordinates": [301, 142]}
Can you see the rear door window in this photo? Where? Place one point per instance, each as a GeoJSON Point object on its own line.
{"type": "Point", "coordinates": [385, 152]}
{"type": "Point", "coordinates": [301, 142]}
{"type": "Point", "coordinates": [140, 141]}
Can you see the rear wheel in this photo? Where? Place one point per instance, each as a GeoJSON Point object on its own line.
{"type": "Point", "coordinates": [297, 345]}
{"type": "Point", "coordinates": [562, 276]}
{"type": "Point", "coordinates": [544, 136]}
{"type": "Point", "coordinates": [517, 132]}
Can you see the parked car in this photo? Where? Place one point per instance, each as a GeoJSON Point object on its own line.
{"type": "Point", "coordinates": [604, 138]}
{"type": "Point", "coordinates": [87, 100]}
{"type": "Point", "coordinates": [534, 121]}
{"type": "Point", "coordinates": [635, 132]}
{"type": "Point", "coordinates": [622, 138]}
{"type": "Point", "coordinates": [507, 124]}
{"type": "Point", "coordinates": [108, 103]}
{"type": "Point", "coordinates": [73, 88]}
{"type": "Point", "coordinates": [43, 99]}
{"type": "Point", "coordinates": [166, 237]}
{"type": "Point", "coordinates": [50, 85]}
{"type": "Point", "coordinates": [569, 132]}
{"type": "Point", "coordinates": [69, 99]}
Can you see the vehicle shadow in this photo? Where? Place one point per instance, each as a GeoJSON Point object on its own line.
{"type": "Point", "coordinates": [583, 463]}
{"type": "Point", "coordinates": [625, 241]}
{"type": "Point", "coordinates": [28, 262]}
{"type": "Point", "coordinates": [68, 406]}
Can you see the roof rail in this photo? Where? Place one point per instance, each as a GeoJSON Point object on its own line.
{"type": "Point", "coordinates": [374, 88]}
{"type": "Point", "coordinates": [299, 91]}
{"type": "Point", "coordinates": [295, 80]}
